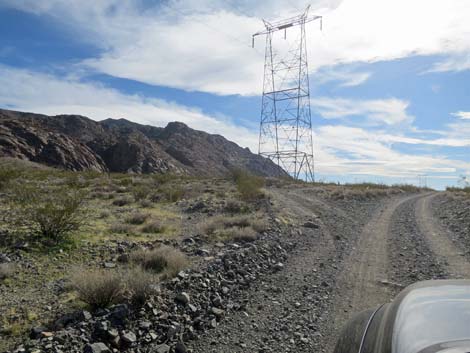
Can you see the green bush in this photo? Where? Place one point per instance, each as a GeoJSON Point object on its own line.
{"type": "Point", "coordinates": [248, 185]}
{"type": "Point", "coordinates": [49, 213]}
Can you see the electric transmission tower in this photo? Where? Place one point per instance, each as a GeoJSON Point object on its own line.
{"type": "Point", "coordinates": [286, 125]}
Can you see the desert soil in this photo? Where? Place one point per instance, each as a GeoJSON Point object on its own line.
{"type": "Point", "coordinates": [361, 256]}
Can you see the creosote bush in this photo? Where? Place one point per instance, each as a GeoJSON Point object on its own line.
{"type": "Point", "coordinates": [164, 259]}
{"type": "Point", "coordinates": [248, 185]}
{"type": "Point", "coordinates": [50, 213]}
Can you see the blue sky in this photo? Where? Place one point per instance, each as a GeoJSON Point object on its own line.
{"type": "Point", "coordinates": [389, 79]}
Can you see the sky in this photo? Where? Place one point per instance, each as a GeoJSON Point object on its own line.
{"type": "Point", "coordinates": [389, 80]}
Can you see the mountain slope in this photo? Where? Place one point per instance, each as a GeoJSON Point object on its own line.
{"type": "Point", "coordinates": [78, 143]}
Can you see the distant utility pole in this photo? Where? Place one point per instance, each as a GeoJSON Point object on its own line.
{"type": "Point", "coordinates": [423, 180]}
{"type": "Point", "coordinates": [286, 124]}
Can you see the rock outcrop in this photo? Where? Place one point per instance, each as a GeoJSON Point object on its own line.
{"type": "Point", "coordinates": [78, 143]}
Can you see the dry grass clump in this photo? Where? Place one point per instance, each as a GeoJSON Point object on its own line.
{"type": "Point", "coordinates": [137, 218]}
{"type": "Point", "coordinates": [240, 228]}
{"type": "Point", "coordinates": [102, 288]}
{"type": "Point", "coordinates": [154, 227]}
{"type": "Point", "coordinates": [140, 285]}
{"type": "Point", "coordinates": [98, 288]}
{"type": "Point", "coordinates": [6, 270]}
{"type": "Point", "coordinates": [165, 259]}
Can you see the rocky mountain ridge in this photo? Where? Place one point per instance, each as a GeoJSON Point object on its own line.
{"type": "Point", "coordinates": [78, 143]}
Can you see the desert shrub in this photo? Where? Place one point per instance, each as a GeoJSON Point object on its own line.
{"type": "Point", "coordinates": [163, 259]}
{"type": "Point", "coordinates": [122, 201]}
{"type": "Point", "coordinates": [137, 218]}
{"type": "Point", "coordinates": [51, 214]}
{"type": "Point", "coordinates": [6, 270]}
{"type": "Point", "coordinates": [153, 227]}
{"type": "Point", "coordinates": [139, 285]}
{"type": "Point", "coordinates": [248, 185]}
{"type": "Point", "coordinates": [121, 228]}
{"type": "Point", "coordinates": [98, 288]}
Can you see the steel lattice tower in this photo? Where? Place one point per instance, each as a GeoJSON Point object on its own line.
{"type": "Point", "coordinates": [286, 125]}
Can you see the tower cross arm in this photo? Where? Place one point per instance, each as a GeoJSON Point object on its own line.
{"type": "Point", "coordinates": [291, 22]}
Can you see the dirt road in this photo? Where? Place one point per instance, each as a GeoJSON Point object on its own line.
{"type": "Point", "coordinates": [361, 255]}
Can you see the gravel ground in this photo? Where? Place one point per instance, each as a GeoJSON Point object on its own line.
{"type": "Point", "coordinates": [290, 311]}
{"type": "Point", "coordinates": [280, 293]}
{"type": "Point", "coordinates": [410, 257]}
{"type": "Point", "coordinates": [453, 212]}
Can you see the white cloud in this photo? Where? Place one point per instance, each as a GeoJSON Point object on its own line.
{"type": "Point", "coordinates": [360, 152]}
{"type": "Point", "coordinates": [205, 45]}
{"type": "Point", "coordinates": [339, 150]}
{"type": "Point", "coordinates": [380, 111]}
{"type": "Point", "coordinates": [459, 62]}
{"type": "Point", "coordinates": [462, 115]}
{"type": "Point", "coordinates": [345, 78]}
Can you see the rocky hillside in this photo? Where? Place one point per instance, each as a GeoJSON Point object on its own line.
{"type": "Point", "coordinates": [78, 143]}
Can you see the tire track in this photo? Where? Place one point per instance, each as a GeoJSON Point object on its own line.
{"type": "Point", "coordinates": [360, 285]}
{"type": "Point", "coordinates": [456, 265]}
